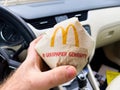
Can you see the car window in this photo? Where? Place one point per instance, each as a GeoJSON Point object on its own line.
{"type": "Point", "coordinates": [16, 2]}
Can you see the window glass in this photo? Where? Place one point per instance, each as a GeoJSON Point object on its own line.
{"type": "Point", "coordinates": [16, 2]}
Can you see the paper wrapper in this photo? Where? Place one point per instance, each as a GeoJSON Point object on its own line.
{"type": "Point", "coordinates": [66, 44]}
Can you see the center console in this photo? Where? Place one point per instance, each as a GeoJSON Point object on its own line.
{"type": "Point", "coordinates": [83, 81]}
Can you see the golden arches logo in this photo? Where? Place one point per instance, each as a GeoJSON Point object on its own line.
{"type": "Point", "coordinates": [64, 35]}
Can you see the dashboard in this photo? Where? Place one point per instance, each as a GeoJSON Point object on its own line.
{"type": "Point", "coordinates": [57, 7]}
{"type": "Point", "coordinates": [100, 18]}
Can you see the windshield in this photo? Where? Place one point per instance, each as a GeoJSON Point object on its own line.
{"type": "Point", "coordinates": [16, 2]}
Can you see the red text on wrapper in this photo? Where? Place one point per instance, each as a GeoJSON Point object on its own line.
{"type": "Point", "coordinates": [54, 54]}
{"type": "Point", "coordinates": [81, 55]}
{"type": "Point", "coordinates": [70, 54]}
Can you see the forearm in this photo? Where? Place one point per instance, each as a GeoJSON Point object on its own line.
{"type": "Point", "coordinates": [13, 86]}
{"type": "Point", "coordinates": [15, 82]}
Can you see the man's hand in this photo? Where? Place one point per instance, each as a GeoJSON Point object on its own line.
{"type": "Point", "coordinates": [31, 75]}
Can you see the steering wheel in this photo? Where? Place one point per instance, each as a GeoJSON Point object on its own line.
{"type": "Point", "coordinates": [23, 29]}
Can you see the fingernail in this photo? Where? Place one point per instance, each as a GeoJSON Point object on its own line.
{"type": "Point", "coordinates": [71, 71]}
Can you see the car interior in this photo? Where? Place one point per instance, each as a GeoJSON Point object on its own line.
{"type": "Point", "coordinates": [21, 21]}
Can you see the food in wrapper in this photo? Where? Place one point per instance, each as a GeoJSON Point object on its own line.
{"type": "Point", "coordinates": [66, 44]}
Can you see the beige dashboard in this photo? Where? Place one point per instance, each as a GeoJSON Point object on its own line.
{"type": "Point", "coordinates": [105, 25]}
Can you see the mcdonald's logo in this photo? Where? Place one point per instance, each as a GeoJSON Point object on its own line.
{"type": "Point", "coordinates": [64, 35]}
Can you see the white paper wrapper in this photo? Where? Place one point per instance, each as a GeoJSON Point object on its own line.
{"type": "Point", "coordinates": [66, 44]}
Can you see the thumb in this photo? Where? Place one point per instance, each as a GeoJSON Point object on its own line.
{"type": "Point", "coordinates": [58, 75]}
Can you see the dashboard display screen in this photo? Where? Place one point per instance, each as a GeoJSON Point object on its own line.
{"type": "Point", "coordinates": [61, 18]}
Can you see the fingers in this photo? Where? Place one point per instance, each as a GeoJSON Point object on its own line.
{"type": "Point", "coordinates": [57, 76]}
{"type": "Point", "coordinates": [32, 56]}
{"type": "Point", "coordinates": [32, 45]}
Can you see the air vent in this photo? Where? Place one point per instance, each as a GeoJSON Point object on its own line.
{"type": "Point", "coordinates": [42, 23]}
{"type": "Point", "coordinates": [48, 22]}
